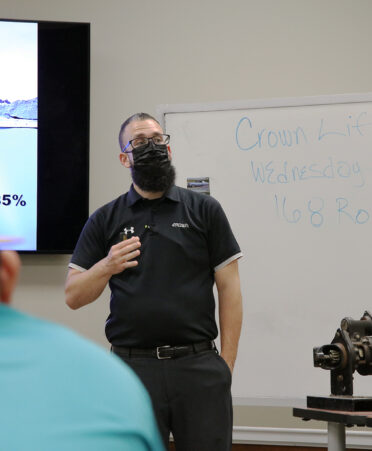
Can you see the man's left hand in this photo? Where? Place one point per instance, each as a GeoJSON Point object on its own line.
{"type": "Point", "coordinates": [230, 363]}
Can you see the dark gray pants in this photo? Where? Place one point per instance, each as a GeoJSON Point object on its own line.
{"type": "Point", "coordinates": [191, 397]}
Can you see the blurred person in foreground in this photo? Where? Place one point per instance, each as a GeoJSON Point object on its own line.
{"type": "Point", "coordinates": [61, 392]}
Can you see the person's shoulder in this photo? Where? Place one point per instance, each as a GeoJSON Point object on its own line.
{"type": "Point", "coordinates": [107, 214]}
{"type": "Point", "coordinates": [48, 334]}
{"type": "Point", "coordinates": [70, 343]}
{"type": "Point", "coordinates": [190, 196]}
{"type": "Point", "coordinates": [95, 367]}
{"type": "Point", "coordinates": [81, 380]}
{"type": "Point", "coordinates": [86, 376]}
{"type": "Point", "coordinates": [109, 207]}
{"type": "Point", "coordinates": [74, 350]}
{"type": "Point", "coordinates": [201, 203]}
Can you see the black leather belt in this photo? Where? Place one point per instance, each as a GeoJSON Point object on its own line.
{"type": "Point", "coordinates": [164, 352]}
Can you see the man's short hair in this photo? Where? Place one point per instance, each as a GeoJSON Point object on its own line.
{"type": "Point", "coordinates": [134, 117]}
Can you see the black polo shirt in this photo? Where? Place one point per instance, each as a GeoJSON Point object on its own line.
{"type": "Point", "coordinates": [168, 298]}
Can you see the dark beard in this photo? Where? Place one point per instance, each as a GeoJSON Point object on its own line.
{"type": "Point", "coordinates": [154, 179]}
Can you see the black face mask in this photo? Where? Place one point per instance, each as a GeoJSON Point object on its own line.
{"type": "Point", "coordinates": [154, 156]}
{"type": "Point", "coordinates": [152, 170]}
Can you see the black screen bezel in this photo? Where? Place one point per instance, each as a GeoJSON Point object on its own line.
{"type": "Point", "coordinates": [63, 134]}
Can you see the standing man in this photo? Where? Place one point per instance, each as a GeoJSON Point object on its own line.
{"type": "Point", "coordinates": [161, 248]}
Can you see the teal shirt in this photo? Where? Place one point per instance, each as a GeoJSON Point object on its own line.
{"type": "Point", "coordinates": [61, 392]}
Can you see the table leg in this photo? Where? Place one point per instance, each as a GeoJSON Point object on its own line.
{"type": "Point", "coordinates": [336, 437]}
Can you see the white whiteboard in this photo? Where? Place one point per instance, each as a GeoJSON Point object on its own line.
{"type": "Point", "coordinates": [295, 179]}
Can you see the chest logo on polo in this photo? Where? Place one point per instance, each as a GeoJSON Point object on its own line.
{"type": "Point", "coordinates": [126, 233]}
{"type": "Point", "coordinates": [180, 225]}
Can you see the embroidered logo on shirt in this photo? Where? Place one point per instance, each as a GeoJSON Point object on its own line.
{"type": "Point", "coordinates": [126, 233]}
{"type": "Point", "coordinates": [180, 225]}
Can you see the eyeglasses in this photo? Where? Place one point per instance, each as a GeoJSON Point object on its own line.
{"type": "Point", "coordinates": [143, 141]}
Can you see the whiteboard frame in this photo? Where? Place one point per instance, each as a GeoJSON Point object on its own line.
{"type": "Point", "coordinates": [276, 102]}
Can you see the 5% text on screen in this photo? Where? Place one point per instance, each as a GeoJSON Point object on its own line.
{"type": "Point", "coordinates": [12, 199]}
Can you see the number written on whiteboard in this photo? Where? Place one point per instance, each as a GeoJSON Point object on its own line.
{"type": "Point", "coordinates": [316, 212]}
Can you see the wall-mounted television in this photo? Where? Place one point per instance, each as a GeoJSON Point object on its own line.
{"type": "Point", "coordinates": [44, 133]}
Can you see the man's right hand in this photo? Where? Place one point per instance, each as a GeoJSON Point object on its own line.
{"type": "Point", "coordinates": [120, 256]}
{"type": "Point", "coordinates": [84, 287]}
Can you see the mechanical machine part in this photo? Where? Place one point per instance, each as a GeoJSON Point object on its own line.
{"type": "Point", "coordinates": [350, 350]}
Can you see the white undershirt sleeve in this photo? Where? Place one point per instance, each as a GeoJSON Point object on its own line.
{"type": "Point", "coordinates": [79, 268]}
{"type": "Point", "coordinates": [229, 260]}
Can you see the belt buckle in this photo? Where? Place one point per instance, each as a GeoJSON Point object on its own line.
{"type": "Point", "coordinates": [158, 350]}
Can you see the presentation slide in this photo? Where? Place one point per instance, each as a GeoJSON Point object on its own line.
{"type": "Point", "coordinates": [18, 133]}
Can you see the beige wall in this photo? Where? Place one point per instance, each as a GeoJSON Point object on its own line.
{"type": "Point", "coordinates": [145, 53]}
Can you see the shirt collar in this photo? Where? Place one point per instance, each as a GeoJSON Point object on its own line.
{"type": "Point", "coordinates": [173, 194]}
{"type": "Point", "coordinates": [134, 197]}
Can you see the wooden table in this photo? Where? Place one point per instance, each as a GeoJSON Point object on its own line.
{"type": "Point", "coordinates": [337, 420]}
